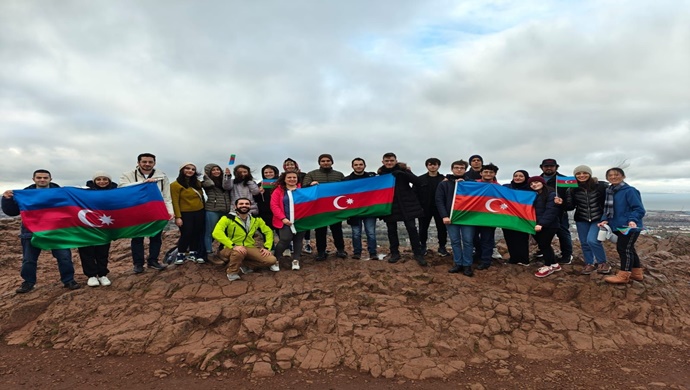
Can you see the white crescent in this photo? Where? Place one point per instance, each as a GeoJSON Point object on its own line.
{"type": "Point", "coordinates": [82, 217]}
{"type": "Point", "coordinates": [335, 203]}
{"type": "Point", "coordinates": [488, 205]}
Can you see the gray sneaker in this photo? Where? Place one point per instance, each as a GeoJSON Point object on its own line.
{"type": "Point", "coordinates": [233, 277]}
{"type": "Point", "coordinates": [246, 270]}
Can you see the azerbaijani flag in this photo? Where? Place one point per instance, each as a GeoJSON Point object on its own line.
{"type": "Point", "coordinates": [67, 217]}
{"type": "Point", "coordinates": [329, 203]}
{"type": "Point", "coordinates": [268, 183]}
{"type": "Point", "coordinates": [482, 204]}
{"type": "Point", "coordinates": [566, 181]}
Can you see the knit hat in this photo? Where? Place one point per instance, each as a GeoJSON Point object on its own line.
{"type": "Point", "coordinates": [476, 156]}
{"type": "Point", "coordinates": [187, 163]}
{"type": "Point", "coordinates": [548, 161]}
{"type": "Point", "coordinates": [536, 178]}
{"type": "Point", "coordinates": [325, 155]}
{"type": "Point", "coordinates": [101, 174]}
{"type": "Point", "coordinates": [582, 168]}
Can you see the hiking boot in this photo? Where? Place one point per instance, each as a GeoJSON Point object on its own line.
{"type": "Point", "coordinates": [246, 270]}
{"type": "Point", "coordinates": [307, 249]}
{"type": "Point", "coordinates": [356, 256]}
{"type": "Point", "coordinates": [215, 260]}
{"type": "Point", "coordinates": [589, 268]}
{"type": "Point", "coordinates": [443, 252]}
{"type": "Point", "coordinates": [138, 268]}
{"type": "Point", "coordinates": [104, 281]}
{"type": "Point", "coordinates": [637, 274]}
{"type": "Point", "coordinates": [93, 282]}
{"type": "Point", "coordinates": [456, 269]}
{"type": "Point", "coordinates": [232, 277]}
{"type": "Point", "coordinates": [496, 254]}
{"type": "Point", "coordinates": [158, 266]}
{"type": "Point", "coordinates": [72, 285]}
{"type": "Point", "coordinates": [604, 268]}
{"type": "Point", "coordinates": [565, 260]}
{"type": "Point", "coordinates": [468, 271]}
{"type": "Point", "coordinates": [421, 260]}
{"type": "Point", "coordinates": [341, 254]}
{"type": "Point", "coordinates": [275, 267]}
{"type": "Point", "coordinates": [24, 288]}
{"type": "Point", "coordinates": [622, 277]}
{"type": "Point", "coordinates": [295, 265]}
{"type": "Point", "coordinates": [394, 258]}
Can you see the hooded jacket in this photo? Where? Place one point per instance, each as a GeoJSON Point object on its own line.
{"type": "Point", "coordinates": [218, 198]}
{"type": "Point", "coordinates": [627, 207]}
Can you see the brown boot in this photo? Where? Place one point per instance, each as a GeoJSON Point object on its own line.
{"type": "Point", "coordinates": [215, 260]}
{"type": "Point", "coordinates": [637, 274]}
{"type": "Point", "coordinates": [622, 277]}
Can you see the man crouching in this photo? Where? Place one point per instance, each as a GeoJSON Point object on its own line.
{"type": "Point", "coordinates": [236, 232]}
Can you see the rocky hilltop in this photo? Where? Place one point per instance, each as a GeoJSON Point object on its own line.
{"type": "Point", "coordinates": [388, 320]}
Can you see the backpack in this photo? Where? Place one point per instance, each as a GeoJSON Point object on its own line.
{"type": "Point", "coordinates": [170, 256]}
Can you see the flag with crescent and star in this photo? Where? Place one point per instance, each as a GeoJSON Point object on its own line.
{"type": "Point", "coordinates": [566, 181]}
{"type": "Point", "coordinates": [67, 217]}
{"type": "Point", "coordinates": [329, 203]}
{"type": "Point", "coordinates": [485, 204]}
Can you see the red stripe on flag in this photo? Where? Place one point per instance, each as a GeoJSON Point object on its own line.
{"type": "Point", "coordinates": [70, 216]}
{"type": "Point", "coordinates": [348, 201]}
{"type": "Point", "coordinates": [493, 205]}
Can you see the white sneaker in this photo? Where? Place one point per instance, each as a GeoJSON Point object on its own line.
{"type": "Point", "coordinates": [200, 260]}
{"type": "Point", "coordinates": [104, 281]}
{"type": "Point", "coordinates": [496, 254]}
{"type": "Point", "coordinates": [93, 282]}
{"type": "Point", "coordinates": [295, 265]}
{"type": "Point", "coordinates": [232, 277]}
{"type": "Point", "coordinates": [246, 270]}
{"type": "Point", "coordinates": [275, 267]}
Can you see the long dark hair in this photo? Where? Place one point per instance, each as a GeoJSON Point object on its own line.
{"type": "Point", "coordinates": [187, 182]}
{"type": "Point", "coordinates": [245, 179]}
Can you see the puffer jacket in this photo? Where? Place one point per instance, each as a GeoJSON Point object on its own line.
{"type": "Point", "coordinates": [587, 203]}
{"type": "Point", "coordinates": [546, 210]}
{"type": "Point", "coordinates": [218, 198]}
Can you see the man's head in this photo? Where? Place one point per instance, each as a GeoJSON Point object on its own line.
{"type": "Point", "coordinates": [42, 178]}
{"type": "Point", "coordinates": [476, 162]}
{"type": "Point", "coordinates": [432, 164]}
{"type": "Point", "coordinates": [242, 206]}
{"type": "Point", "coordinates": [325, 161]}
{"type": "Point", "coordinates": [389, 160]}
{"type": "Point", "coordinates": [458, 167]}
{"type": "Point", "coordinates": [146, 162]}
{"type": "Point", "coordinates": [358, 165]}
{"type": "Point", "coordinates": [488, 172]}
{"type": "Point", "coordinates": [549, 166]}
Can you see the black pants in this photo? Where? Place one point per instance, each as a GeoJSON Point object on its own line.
{"type": "Point", "coordinates": [518, 245]}
{"type": "Point", "coordinates": [544, 238]}
{"type": "Point", "coordinates": [191, 231]}
{"type": "Point", "coordinates": [441, 231]}
{"type": "Point", "coordinates": [287, 237]}
{"type": "Point", "coordinates": [338, 240]}
{"type": "Point", "coordinates": [155, 243]}
{"type": "Point", "coordinates": [392, 227]}
{"type": "Point", "coordinates": [94, 260]}
{"type": "Point", "coordinates": [626, 250]}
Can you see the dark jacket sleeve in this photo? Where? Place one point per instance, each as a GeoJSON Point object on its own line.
{"type": "Point", "coordinates": [551, 212]}
{"type": "Point", "coordinates": [443, 203]}
{"type": "Point", "coordinates": [10, 207]}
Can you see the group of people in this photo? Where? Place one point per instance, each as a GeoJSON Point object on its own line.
{"type": "Point", "coordinates": [231, 208]}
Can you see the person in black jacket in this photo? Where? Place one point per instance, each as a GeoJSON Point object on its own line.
{"type": "Point", "coordinates": [547, 212]}
{"type": "Point", "coordinates": [358, 172]}
{"type": "Point", "coordinates": [518, 242]}
{"type": "Point", "coordinates": [549, 168]}
{"type": "Point", "coordinates": [587, 199]}
{"type": "Point", "coordinates": [405, 208]}
{"type": "Point", "coordinates": [94, 258]}
{"type": "Point", "coordinates": [42, 181]}
{"type": "Point", "coordinates": [427, 198]}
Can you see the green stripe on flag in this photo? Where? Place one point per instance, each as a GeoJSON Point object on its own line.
{"type": "Point", "coordinates": [475, 218]}
{"type": "Point", "coordinates": [77, 237]}
{"type": "Point", "coordinates": [329, 218]}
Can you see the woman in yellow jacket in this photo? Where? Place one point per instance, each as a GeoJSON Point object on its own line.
{"type": "Point", "coordinates": [188, 206]}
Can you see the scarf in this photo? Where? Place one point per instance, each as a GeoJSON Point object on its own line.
{"type": "Point", "coordinates": [608, 202]}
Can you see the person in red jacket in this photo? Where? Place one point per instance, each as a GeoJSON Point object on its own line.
{"type": "Point", "coordinates": [282, 220]}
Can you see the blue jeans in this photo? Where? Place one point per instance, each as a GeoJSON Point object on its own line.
{"type": "Point", "coordinates": [369, 228]}
{"type": "Point", "coordinates": [486, 242]}
{"type": "Point", "coordinates": [30, 262]}
{"type": "Point", "coordinates": [461, 241]}
{"type": "Point", "coordinates": [592, 249]}
{"type": "Point", "coordinates": [212, 218]}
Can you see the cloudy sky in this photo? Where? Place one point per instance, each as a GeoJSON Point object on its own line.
{"type": "Point", "coordinates": [88, 85]}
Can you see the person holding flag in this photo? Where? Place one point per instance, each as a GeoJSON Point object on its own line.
{"type": "Point", "coordinates": [518, 241]}
{"type": "Point", "coordinates": [269, 175]}
{"type": "Point", "coordinates": [623, 212]}
{"type": "Point", "coordinates": [547, 213]}
{"type": "Point", "coordinates": [283, 218]}
{"type": "Point", "coordinates": [42, 181]}
{"type": "Point", "coordinates": [550, 173]}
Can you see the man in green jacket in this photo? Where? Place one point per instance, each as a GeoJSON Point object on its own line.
{"type": "Point", "coordinates": [236, 233]}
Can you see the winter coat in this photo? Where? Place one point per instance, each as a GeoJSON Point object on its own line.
{"type": "Point", "coordinates": [426, 193]}
{"type": "Point", "coordinates": [405, 203]}
{"type": "Point", "coordinates": [322, 176]}
{"type": "Point", "coordinates": [627, 207]}
{"type": "Point", "coordinates": [218, 199]}
{"type": "Point", "coordinates": [246, 189]}
{"type": "Point", "coordinates": [278, 206]}
{"type": "Point", "coordinates": [185, 199]}
{"type": "Point", "coordinates": [135, 176]}
{"type": "Point", "coordinates": [230, 231]}
{"type": "Point", "coordinates": [546, 209]}
{"type": "Point", "coordinates": [587, 203]}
